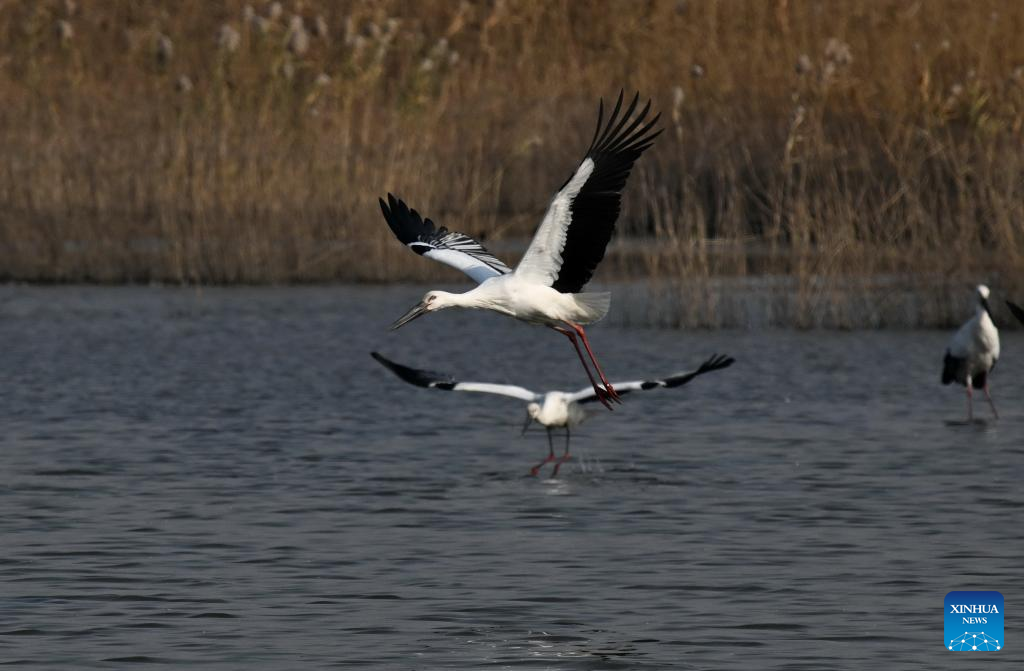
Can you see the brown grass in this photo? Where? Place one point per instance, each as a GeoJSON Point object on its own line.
{"type": "Point", "coordinates": [839, 144]}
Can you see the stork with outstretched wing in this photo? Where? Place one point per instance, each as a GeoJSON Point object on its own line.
{"type": "Point", "coordinates": [552, 409]}
{"type": "Point", "coordinates": [546, 287]}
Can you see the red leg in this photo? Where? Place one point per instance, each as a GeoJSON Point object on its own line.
{"type": "Point", "coordinates": [550, 457]}
{"type": "Point", "coordinates": [602, 395]}
{"type": "Point", "coordinates": [565, 457]}
{"type": "Point", "coordinates": [597, 366]}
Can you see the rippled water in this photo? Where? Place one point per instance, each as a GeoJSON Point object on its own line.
{"type": "Point", "coordinates": [225, 479]}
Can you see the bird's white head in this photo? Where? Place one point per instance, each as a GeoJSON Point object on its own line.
{"type": "Point", "coordinates": [432, 302]}
{"type": "Point", "coordinates": [983, 306]}
{"type": "Point", "coordinates": [532, 410]}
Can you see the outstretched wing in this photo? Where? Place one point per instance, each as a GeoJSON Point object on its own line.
{"type": "Point", "coordinates": [1017, 311]}
{"type": "Point", "coordinates": [435, 380]}
{"type": "Point", "coordinates": [572, 237]}
{"type": "Point", "coordinates": [451, 248]}
{"type": "Point", "coordinates": [715, 362]}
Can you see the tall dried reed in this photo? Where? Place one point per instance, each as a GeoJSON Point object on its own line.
{"type": "Point", "coordinates": [830, 152]}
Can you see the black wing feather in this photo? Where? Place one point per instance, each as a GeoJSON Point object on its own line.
{"type": "Point", "coordinates": [421, 378]}
{"type": "Point", "coordinates": [593, 397]}
{"type": "Point", "coordinates": [421, 235]}
{"type": "Point", "coordinates": [614, 150]}
{"type": "Point", "coordinates": [951, 367]}
{"type": "Point", "coordinates": [715, 362]}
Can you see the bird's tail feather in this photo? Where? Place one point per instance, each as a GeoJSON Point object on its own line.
{"type": "Point", "coordinates": [595, 305]}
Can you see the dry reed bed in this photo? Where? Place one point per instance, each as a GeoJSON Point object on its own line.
{"type": "Point", "coordinates": [832, 143]}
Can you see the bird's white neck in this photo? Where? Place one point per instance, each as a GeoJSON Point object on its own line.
{"type": "Point", "coordinates": [982, 310]}
{"type": "Point", "coordinates": [985, 322]}
{"type": "Point", "coordinates": [445, 299]}
{"type": "Point", "coordinates": [479, 298]}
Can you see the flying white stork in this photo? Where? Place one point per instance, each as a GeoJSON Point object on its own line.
{"type": "Point", "coordinates": [973, 352]}
{"type": "Point", "coordinates": [545, 287]}
{"type": "Point", "coordinates": [553, 409]}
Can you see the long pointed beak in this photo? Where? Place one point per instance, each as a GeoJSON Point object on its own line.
{"type": "Point", "coordinates": [416, 311]}
{"type": "Point", "coordinates": [526, 426]}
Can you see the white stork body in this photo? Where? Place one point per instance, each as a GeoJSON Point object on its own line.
{"type": "Point", "coordinates": [545, 288]}
{"type": "Point", "coordinates": [513, 296]}
{"type": "Point", "coordinates": [552, 409]}
{"type": "Point", "coordinates": [557, 409]}
{"type": "Point", "coordinates": [973, 352]}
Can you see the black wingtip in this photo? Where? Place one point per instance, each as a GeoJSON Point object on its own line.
{"type": "Point", "coordinates": [415, 376]}
{"type": "Point", "coordinates": [711, 364]}
{"type": "Point", "coordinates": [717, 362]}
{"type": "Point", "coordinates": [383, 360]}
{"type": "Point", "coordinates": [627, 131]}
{"type": "Point", "coordinates": [407, 224]}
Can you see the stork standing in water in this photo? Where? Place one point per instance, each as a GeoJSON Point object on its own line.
{"type": "Point", "coordinates": [553, 409]}
{"type": "Point", "coordinates": [545, 288]}
{"type": "Point", "coordinates": [973, 352]}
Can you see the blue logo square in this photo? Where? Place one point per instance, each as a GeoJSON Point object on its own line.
{"type": "Point", "coordinates": [974, 621]}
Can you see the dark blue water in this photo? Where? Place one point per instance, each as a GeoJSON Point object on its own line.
{"type": "Point", "coordinates": [225, 479]}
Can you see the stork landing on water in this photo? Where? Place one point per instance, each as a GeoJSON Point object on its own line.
{"type": "Point", "coordinates": [553, 409]}
{"type": "Point", "coordinates": [973, 352]}
{"type": "Point", "coordinates": [545, 287]}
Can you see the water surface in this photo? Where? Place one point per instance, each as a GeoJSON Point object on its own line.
{"type": "Point", "coordinates": [225, 479]}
